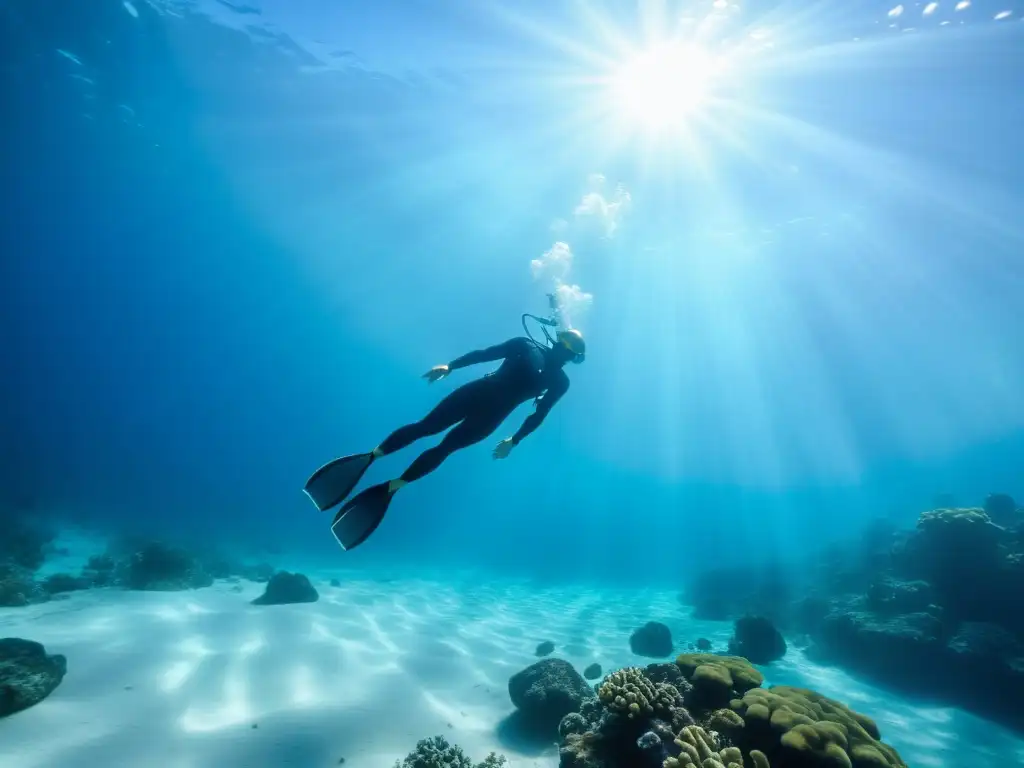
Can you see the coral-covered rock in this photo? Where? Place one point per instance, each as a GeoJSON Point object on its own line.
{"type": "Point", "coordinates": [984, 671]}
{"type": "Point", "coordinates": [653, 639]}
{"type": "Point", "coordinates": [668, 672]}
{"type": "Point", "coordinates": [780, 727]}
{"type": "Point", "coordinates": [900, 646]}
{"type": "Point", "coordinates": [27, 674]}
{"type": "Point", "coordinates": [436, 752]}
{"type": "Point", "coordinates": [285, 587]}
{"type": "Point", "coordinates": [617, 733]}
{"type": "Point", "coordinates": [892, 597]}
{"type": "Point", "coordinates": [547, 691]}
{"type": "Point", "coordinates": [755, 638]}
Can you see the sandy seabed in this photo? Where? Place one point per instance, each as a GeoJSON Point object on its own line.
{"type": "Point", "coordinates": [203, 679]}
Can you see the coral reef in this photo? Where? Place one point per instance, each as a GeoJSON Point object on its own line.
{"type": "Point", "coordinates": [547, 691]}
{"type": "Point", "coordinates": [436, 752]}
{"type": "Point", "coordinates": [27, 674]}
{"type": "Point", "coordinates": [794, 726]}
{"type": "Point", "coordinates": [899, 604]}
{"type": "Point", "coordinates": [756, 639]}
{"type": "Point", "coordinates": [717, 680]}
{"type": "Point", "coordinates": [285, 587]}
{"type": "Point", "coordinates": [637, 722]}
{"type": "Point", "coordinates": [702, 749]}
{"type": "Point", "coordinates": [652, 639]}
{"type": "Point", "coordinates": [630, 693]}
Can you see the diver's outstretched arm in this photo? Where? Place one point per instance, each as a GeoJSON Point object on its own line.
{"type": "Point", "coordinates": [544, 405]}
{"type": "Point", "coordinates": [486, 355]}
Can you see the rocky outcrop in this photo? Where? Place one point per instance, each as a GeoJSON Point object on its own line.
{"type": "Point", "coordinates": [755, 638]}
{"type": "Point", "coordinates": [285, 587]}
{"type": "Point", "coordinates": [653, 639]}
{"type": "Point", "coordinates": [27, 674]}
{"type": "Point", "coordinates": [547, 691]}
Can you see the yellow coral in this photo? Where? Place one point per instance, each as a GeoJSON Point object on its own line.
{"type": "Point", "coordinates": [717, 679]}
{"type": "Point", "coordinates": [725, 721]}
{"type": "Point", "coordinates": [700, 748]}
{"type": "Point", "coordinates": [807, 722]}
{"type": "Point", "coordinates": [759, 759]}
{"type": "Point", "coordinates": [629, 692]}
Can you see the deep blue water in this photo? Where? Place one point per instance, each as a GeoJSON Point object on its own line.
{"type": "Point", "coordinates": [234, 237]}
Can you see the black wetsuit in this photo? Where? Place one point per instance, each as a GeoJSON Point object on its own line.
{"type": "Point", "coordinates": [527, 371]}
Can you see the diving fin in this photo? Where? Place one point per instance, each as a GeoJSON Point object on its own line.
{"type": "Point", "coordinates": [360, 517]}
{"type": "Point", "coordinates": [335, 480]}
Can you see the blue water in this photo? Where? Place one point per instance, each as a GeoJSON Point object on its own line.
{"type": "Point", "coordinates": [236, 234]}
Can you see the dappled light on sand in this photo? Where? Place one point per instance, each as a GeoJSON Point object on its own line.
{"type": "Point", "coordinates": [206, 679]}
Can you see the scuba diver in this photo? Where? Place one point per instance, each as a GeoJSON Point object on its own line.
{"type": "Point", "coordinates": [529, 369]}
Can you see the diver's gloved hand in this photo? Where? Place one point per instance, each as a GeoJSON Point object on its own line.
{"type": "Point", "coordinates": [436, 373]}
{"type": "Point", "coordinates": [504, 448]}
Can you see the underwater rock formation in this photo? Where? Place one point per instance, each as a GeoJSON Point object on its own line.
{"type": "Point", "coordinates": [27, 674]}
{"type": "Point", "coordinates": [947, 595]}
{"type": "Point", "coordinates": [436, 752]}
{"type": "Point", "coordinates": [889, 596]}
{"type": "Point", "coordinates": [950, 598]}
{"type": "Point", "coordinates": [636, 723]}
{"type": "Point", "coordinates": [158, 567]}
{"type": "Point", "coordinates": [653, 639]}
{"type": "Point", "coordinates": [58, 583]}
{"type": "Point", "coordinates": [756, 639]}
{"type": "Point", "coordinates": [285, 587]}
{"type": "Point", "coordinates": [547, 691]}
{"type": "Point", "coordinates": [18, 587]}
